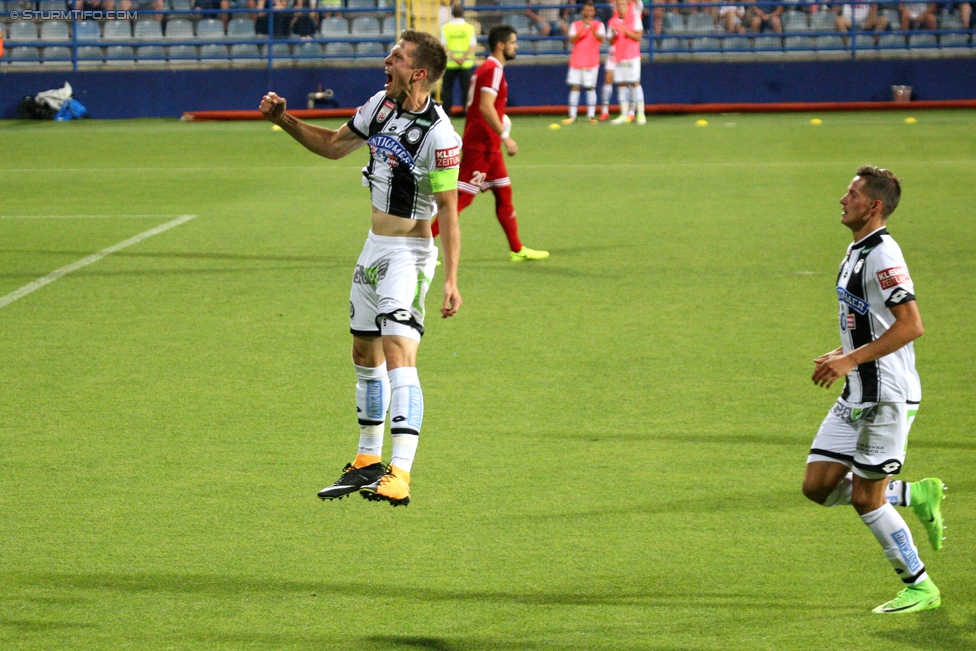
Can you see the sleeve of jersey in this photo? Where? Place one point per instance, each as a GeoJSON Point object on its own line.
{"type": "Point", "coordinates": [490, 81]}
{"type": "Point", "coordinates": [891, 274]}
{"type": "Point", "coordinates": [443, 159]}
{"type": "Point", "coordinates": [359, 123]}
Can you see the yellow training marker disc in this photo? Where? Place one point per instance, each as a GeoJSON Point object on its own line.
{"type": "Point", "coordinates": [701, 123]}
{"type": "Point", "coordinates": [816, 121]}
{"type": "Point", "coordinates": [910, 120]}
{"type": "Point", "coordinates": [555, 126]}
{"type": "Point", "coordinates": [275, 127]}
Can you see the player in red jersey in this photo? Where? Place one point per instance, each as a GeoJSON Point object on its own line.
{"type": "Point", "coordinates": [482, 163]}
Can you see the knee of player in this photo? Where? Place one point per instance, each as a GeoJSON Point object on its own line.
{"type": "Point", "coordinates": [815, 491]}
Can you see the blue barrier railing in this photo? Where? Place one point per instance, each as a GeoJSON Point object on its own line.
{"type": "Point", "coordinates": [666, 33]}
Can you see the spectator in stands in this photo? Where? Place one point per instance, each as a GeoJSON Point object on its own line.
{"type": "Point", "coordinates": [304, 24]}
{"type": "Point", "coordinates": [658, 15]}
{"type": "Point", "coordinates": [918, 15]}
{"type": "Point", "coordinates": [331, 7]}
{"type": "Point", "coordinates": [548, 22]}
{"type": "Point", "coordinates": [967, 16]}
{"type": "Point", "coordinates": [209, 6]}
{"type": "Point", "coordinates": [730, 18]}
{"type": "Point", "coordinates": [282, 18]}
{"type": "Point", "coordinates": [159, 5]}
{"type": "Point", "coordinates": [866, 17]}
{"type": "Point", "coordinates": [765, 17]}
{"type": "Point", "coordinates": [458, 37]}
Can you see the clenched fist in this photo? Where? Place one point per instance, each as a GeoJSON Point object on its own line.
{"type": "Point", "coordinates": [272, 107]}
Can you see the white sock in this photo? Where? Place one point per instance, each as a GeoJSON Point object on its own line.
{"type": "Point", "coordinates": [898, 493]}
{"type": "Point", "coordinates": [607, 93]}
{"type": "Point", "coordinates": [372, 401]}
{"type": "Point", "coordinates": [896, 541]}
{"type": "Point", "coordinates": [623, 96]}
{"type": "Point", "coordinates": [406, 415]}
{"type": "Point", "coordinates": [573, 102]}
{"type": "Point", "coordinates": [842, 494]}
{"type": "Point", "coordinates": [591, 103]}
{"type": "Point", "coordinates": [638, 94]}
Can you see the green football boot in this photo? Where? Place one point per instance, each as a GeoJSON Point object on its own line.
{"type": "Point", "coordinates": [925, 497]}
{"type": "Point", "coordinates": [924, 596]}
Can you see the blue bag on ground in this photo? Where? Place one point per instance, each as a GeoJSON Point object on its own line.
{"type": "Point", "coordinates": [72, 109]}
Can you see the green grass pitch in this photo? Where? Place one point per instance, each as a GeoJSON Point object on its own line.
{"type": "Point", "coordinates": [614, 438]}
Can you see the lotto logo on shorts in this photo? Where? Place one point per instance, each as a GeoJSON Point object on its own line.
{"type": "Point", "coordinates": [893, 276]}
{"type": "Point", "coordinates": [450, 157]}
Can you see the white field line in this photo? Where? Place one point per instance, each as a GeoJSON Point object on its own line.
{"type": "Point", "coordinates": [95, 257]}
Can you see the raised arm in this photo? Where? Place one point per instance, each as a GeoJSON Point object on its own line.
{"type": "Point", "coordinates": [318, 140]}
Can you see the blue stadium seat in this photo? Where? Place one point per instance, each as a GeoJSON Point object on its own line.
{"type": "Point", "coordinates": [767, 45]}
{"type": "Point", "coordinates": [389, 26]}
{"type": "Point", "coordinates": [518, 21]}
{"type": "Point", "coordinates": [372, 48]}
{"type": "Point", "coordinates": [52, 5]}
{"type": "Point", "coordinates": [179, 29]}
{"type": "Point", "coordinates": [240, 29]}
{"type": "Point", "coordinates": [90, 55]}
{"type": "Point", "coordinates": [953, 41]}
{"type": "Point", "coordinates": [210, 29]}
{"type": "Point", "coordinates": [182, 55]}
{"type": "Point", "coordinates": [361, 4]}
{"type": "Point", "coordinates": [148, 30]}
{"type": "Point", "coordinates": [365, 26]}
{"type": "Point", "coordinates": [120, 55]}
{"type": "Point", "coordinates": [701, 23]}
{"type": "Point", "coordinates": [278, 51]}
{"type": "Point", "coordinates": [214, 53]}
{"type": "Point", "coordinates": [245, 54]}
{"type": "Point", "coordinates": [794, 21]}
{"type": "Point", "coordinates": [88, 30]}
{"type": "Point", "coordinates": [56, 52]}
{"type": "Point", "coordinates": [949, 20]}
{"type": "Point", "coordinates": [823, 21]}
{"type": "Point", "coordinates": [307, 50]}
{"type": "Point", "coordinates": [673, 23]}
{"type": "Point", "coordinates": [669, 45]}
{"type": "Point", "coordinates": [151, 55]}
{"type": "Point", "coordinates": [17, 56]}
{"type": "Point", "coordinates": [117, 30]}
{"type": "Point", "coordinates": [828, 42]}
{"type": "Point", "coordinates": [339, 48]}
{"type": "Point", "coordinates": [335, 26]}
{"type": "Point", "coordinates": [55, 30]}
{"type": "Point", "coordinates": [23, 30]}
{"type": "Point", "coordinates": [181, 5]}
{"type": "Point", "coordinates": [798, 43]}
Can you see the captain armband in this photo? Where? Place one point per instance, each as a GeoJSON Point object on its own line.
{"type": "Point", "coordinates": [444, 180]}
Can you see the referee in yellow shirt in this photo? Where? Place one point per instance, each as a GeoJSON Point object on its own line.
{"type": "Point", "coordinates": [459, 39]}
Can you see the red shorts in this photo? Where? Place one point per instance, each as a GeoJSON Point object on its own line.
{"type": "Point", "coordinates": [481, 171]}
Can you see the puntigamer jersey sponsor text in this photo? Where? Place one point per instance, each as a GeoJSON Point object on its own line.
{"type": "Point", "coordinates": [404, 149]}
{"type": "Point", "coordinates": [873, 278]}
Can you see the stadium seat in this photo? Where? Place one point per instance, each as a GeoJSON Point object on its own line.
{"type": "Point", "coordinates": [892, 45]}
{"type": "Point", "coordinates": [339, 48]}
{"type": "Point", "coordinates": [249, 52]}
{"type": "Point", "coordinates": [670, 45]}
{"type": "Point", "coordinates": [23, 30]}
{"type": "Point", "coordinates": [798, 43]}
{"type": "Point", "coordinates": [701, 23]}
{"type": "Point", "coordinates": [90, 55]}
{"type": "Point", "coordinates": [926, 45]}
{"type": "Point", "coordinates": [210, 29]}
{"type": "Point", "coordinates": [361, 4]}
{"type": "Point", "coordinates": [334, 26]}
{"type": "Point", "coordinates": [307, 54]}
{"type": "Point", "coordinates": [865, 42]}
{"type": "Point", "coordinates": [151, 55]}
{"type": "Point", "coordinates": [767, 46]}
{"type": "Point", "coordinates": [365, 26]}
{"type": "Point", "coordinates": [56, 52]}
{"type": "Point", "coordinates": [88, 30]}
{"type": "Point", "coordinates": [117, 30]}
{"type": "Point", "coordinates": [214, 53]}
{"type": "Point", "coordinates": [16, 56]}
{"type": "Point", "coordinates": [518, 21]}
{"type": "Point", "coordinates": [52, 5]}
{"type": "Point", "coordinates": [828, 42]}
{"type": "Point", "coordinates": [673, 23]}
{"type": "Point", "coordinates": [736, 44]}
{"type": "Point", "coordinates": [389, 26]}
{"type": "Point", "coordinates": [704, 43]}
{"type": "Point", "coordinates": [179, 29]}
{"type": "Point", "coordinates": [795, 21]}
{"type": "Point", "coordinates": [278, 51]}
{"type": "Point", "coordinates": [894, 20]}
{"type": "Point", "coordinates": [372, 48]}
{"type": "Point", "coordinates": [182, 55]}
{"type": "Point", "coordinates": [181, 5]}
{"type": "Point", "coordinates": [953, 41]}
{"type": "Point", "coordinates": [120, 55]}
{"type": "Point", "coordinates": [823, 21]}
{"type": "Point", "coordinates": [55, 30]}
{"type": "Point", "coordinates": [241, 29]}
{"type": "Point", "coordinates": [949, 20]}
{"type": "Point", "coordinates": [148, 30]}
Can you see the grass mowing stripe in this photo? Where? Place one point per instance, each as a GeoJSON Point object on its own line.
{"type": "Point", "coordinates": [87, 216]}
{"type": "Point", "coordinates": [91, 259]}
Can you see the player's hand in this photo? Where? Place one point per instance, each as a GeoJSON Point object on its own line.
{"type": "Point", "coordinates": [272, 107]}
{"type": "Point", "coordinates": [826, 356]}
{"type": "Point", "coordinates": [511, 147]}
{"type": "Point", "coordinates": [452, 301]}
{"type": "Point", "coordinates": [832, 368]}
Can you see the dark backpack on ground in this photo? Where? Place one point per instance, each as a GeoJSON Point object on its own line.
{"type": "Point", "coordinates": [29, 109]}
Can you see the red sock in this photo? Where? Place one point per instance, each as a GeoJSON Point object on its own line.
{"type": "Point", "coordinates": [505, 212]}
{"type": "Point", "coordinates": [464, 200]}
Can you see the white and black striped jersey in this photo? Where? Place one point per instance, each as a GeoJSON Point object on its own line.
{"type": "Point", "coordinates": [404, 149]}
{"type": "Point", "coordinates": [873, 278]}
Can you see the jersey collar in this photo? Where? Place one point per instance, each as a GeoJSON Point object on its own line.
{"type": "Point", "coordinates": [874, 239]}
{"type": "Point", "coordinates": [400, 110]}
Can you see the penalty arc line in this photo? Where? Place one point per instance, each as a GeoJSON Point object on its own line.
{"type": "Point", "coordinates": [91, 259]}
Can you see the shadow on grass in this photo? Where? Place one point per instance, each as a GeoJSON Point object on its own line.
{"type": "Point", "coordinates": [932, 630]}
{"type": "Point", "coordinates": [217, 585]}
